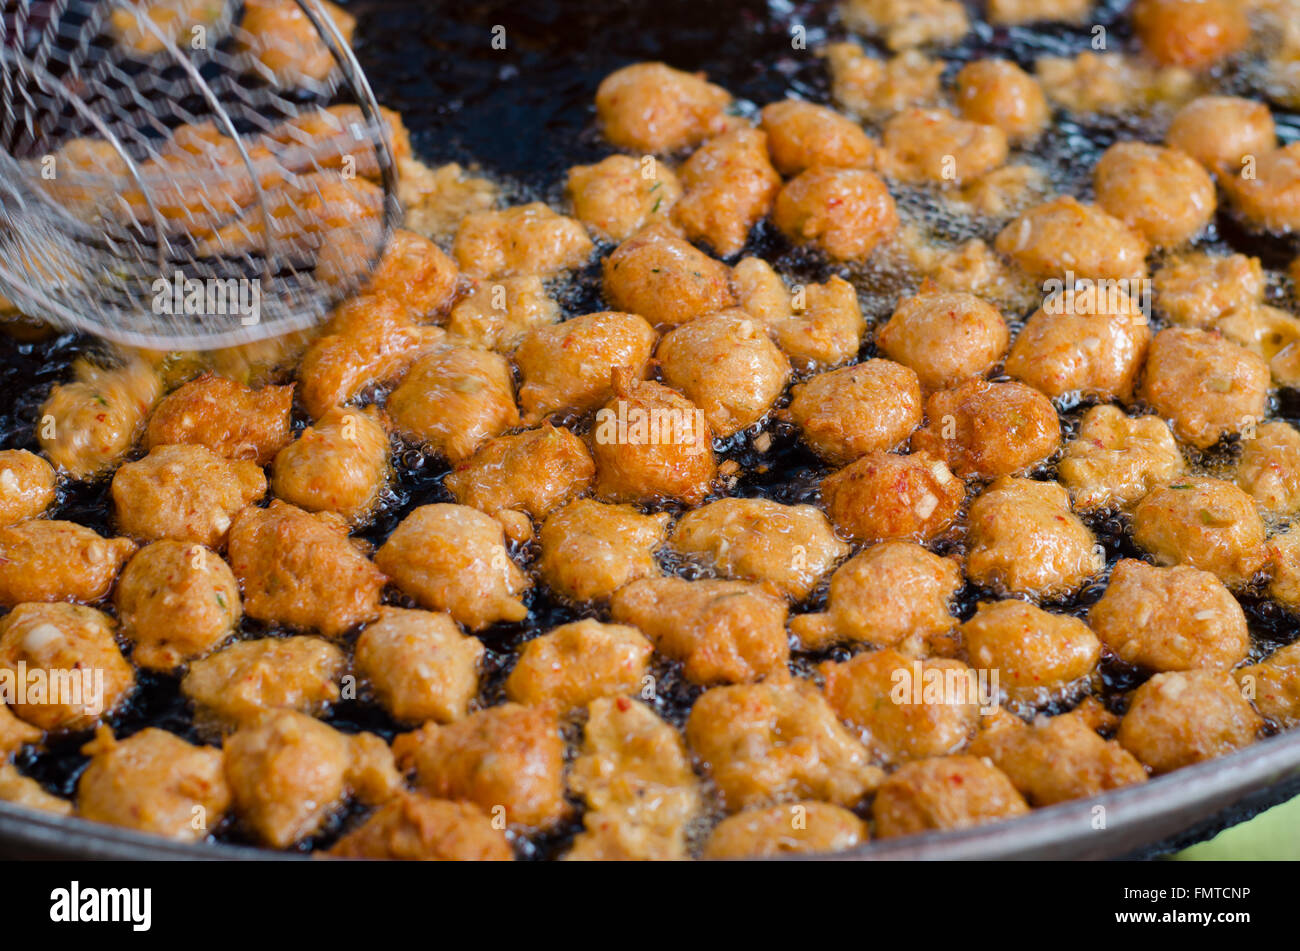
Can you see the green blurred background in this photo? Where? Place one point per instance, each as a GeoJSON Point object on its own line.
{"type": "Point", "coordinates": [1273, 835]}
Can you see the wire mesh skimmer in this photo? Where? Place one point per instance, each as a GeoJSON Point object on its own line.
{"type": "Point", "coordinates": [181, 174]}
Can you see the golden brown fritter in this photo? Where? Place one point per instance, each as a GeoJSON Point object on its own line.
{"type": "Point", "coordinates": [419, 664]}
{"type": "Point", "coordinates": [508, 760]}
{"type": "Point", "coordinates": [184, 492]}
{"type": "Point", "coordinates": [239, 683]}
{"type": "Point", "coordinates": [230, 419]}
{"type": "Point", "coordinates": [453, 558]}
{"type": "Point", "coordinates": [176, 602]}
{"type": "Point", "coordinates": [946, 792]}
{"type": "Point", "coordinates": [574, 664]}
{"type": "Point", "coordinates": [26, 485]}
{"type": "Point", "coordinates": [80, 673]}
{"type": "Point", "coordinates": [722, 631]}
{"type": "Point", "coordinates": [154, 782]}
{"type": "Point", "coordinates": [299, 569]}
{"type": "Point", "coordinates": [50, 560]}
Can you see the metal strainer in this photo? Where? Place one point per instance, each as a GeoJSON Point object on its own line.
{"type": "Point", "coordinates": [185, 174]}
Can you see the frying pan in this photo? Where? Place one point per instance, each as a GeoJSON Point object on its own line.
{"type": "Point", "coordinates": [1142, 821]}
{"type": "Point", "coordinates": [524, 116]}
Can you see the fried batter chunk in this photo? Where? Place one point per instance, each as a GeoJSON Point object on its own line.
{"type": "Point", "coordinates": [415, 273]}
{"type": "Point", "coordinates": [784, 830]}
{"type": "Point", "coordinates": [176, 602]}
{"type": "Point", "coordinates": [1115, 459]}
{"type": "Point", "coordinates": [1057, 759]}
{"type": "Point", "coordinates": [803, 134]}
{"type": "Point", "coordinates": [1063, 236]}
{"type": "Point", "coordinates": [1204, 384]}
{"type": "Point", "coordinates": [728, 366]}
{"type": "Point", "coordinates": [85, 676]}
{"type": "Point", "coordinates": [299, 569]}
{"type": "Point", "coordinates": [883, 496]}
{"type": "Point", "coordinates": [287, 43]}
{"type": "Point", "coordinates": [291, 774]}
{"type": "Point", "coordinates": [1191, 33]}
{"type": "Point", "coordinates": [527, 239]}
{"type": "Point", "coordinates": [999, 93]}
{"type": "Point", "coordinates": [51, 560]}
{"type": "Point", "coordinates": [590, 549]}
{"type": "Point", "coordinates": [454, 400]}
{"type": "Point", "coordinates": [933, 146]}
{"type": "Point", "coordinates": [870, 406]}
{"type": "Point", "coordinates": [419, 664]}
{"type": "Point", "coordinates": [453, 558]}
{"type": "Point", "coordinates": [532, 471]}
{"type": "Point", "coordinates": [1269, 468]}
{"type": "Point", "coordinates": [370, 341]}
{"type": "Point", "coordinates": [88, 425]}
{"type": "Point", "coordinates": [1267, 192]}
{"type": "Point", "coordinates": [882, 695]}
{"type": "Point", "coordinates": [787, 549]}
{"type": "Point", "coordinates": [411, 827]}
{"type": "Point", "coordinates": [820, 327]}
{"type": "Point", "coordinates": [1025, 540]}
{"type": "Point", "coordinates": [1184, 717]}
{"type": "Point", "coordinates": [946, 337]}
{"type": "Point", "coordinates": [889, 594]}
{"type": "Point", "coordinates": [1206, 523]}
{"type": "Point", "coordinates": [1220, 131]}
{"type": "Point", "coordinates": [946, 792]}
{"type": "Point", "coordinates": [905, 23]}
{"type": "Point", "coordinates": [876, 88]}
{"type": "Point", "coordinates": [1161, 192]}
{"type": "Point", "coordinates": [1037, 654]}
{"type": "Point", "coordinates": [339, 464]}
{"type": "Point", "coordinates": [651, 107]}
{"type": "Point", "coordinates": [1197, 289]}
{"type": "Point", "coordinates": [983, 430]}
{"type": "Point", "coordinates": [230, 419]}
{"type": "Point", "coordinates": [664, 278]}
{"type": "Point", "coordinates": [26, 485]}
{"type": "Point", "coordinates": [846, 212]}
{"type": "Point", "coordinates": [722, 631]}
{"type": "Point", "coordinates": [184, 492]}
{"type": "Point", "coordinates": [495, 315]}
{"type": "Point", "coordinates": [1094, 350]}
{"type": "Point", "coordinates": [25, 791]}
{"type": "Point", "coordinates": [729, 186]}
{"type": "Point", "coordinates": [778, 741]}
{"type": "Point", "coordinates": [15, 734]}
{"type": "Point", "coordinates": [154, 782]}
{"type": "Point", "coordinates": [574, 664]}
{"type": "Point", "coordinates": [508, 760]}
{"type": "Point", "coordinates": [1274, 685]}
{"type": "Point", "coordinates": [651, 443]}
{"type": "Point", "coordinates": [619, 195]}
{"type": "Point", "coordinates": [565, 368]}
{"type": "Point", "coordinates": [1178, 618]}
{"type": "Point", "coordinates": [635, 776]}
{"type": "Point", "coordinates": [239, 683]}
